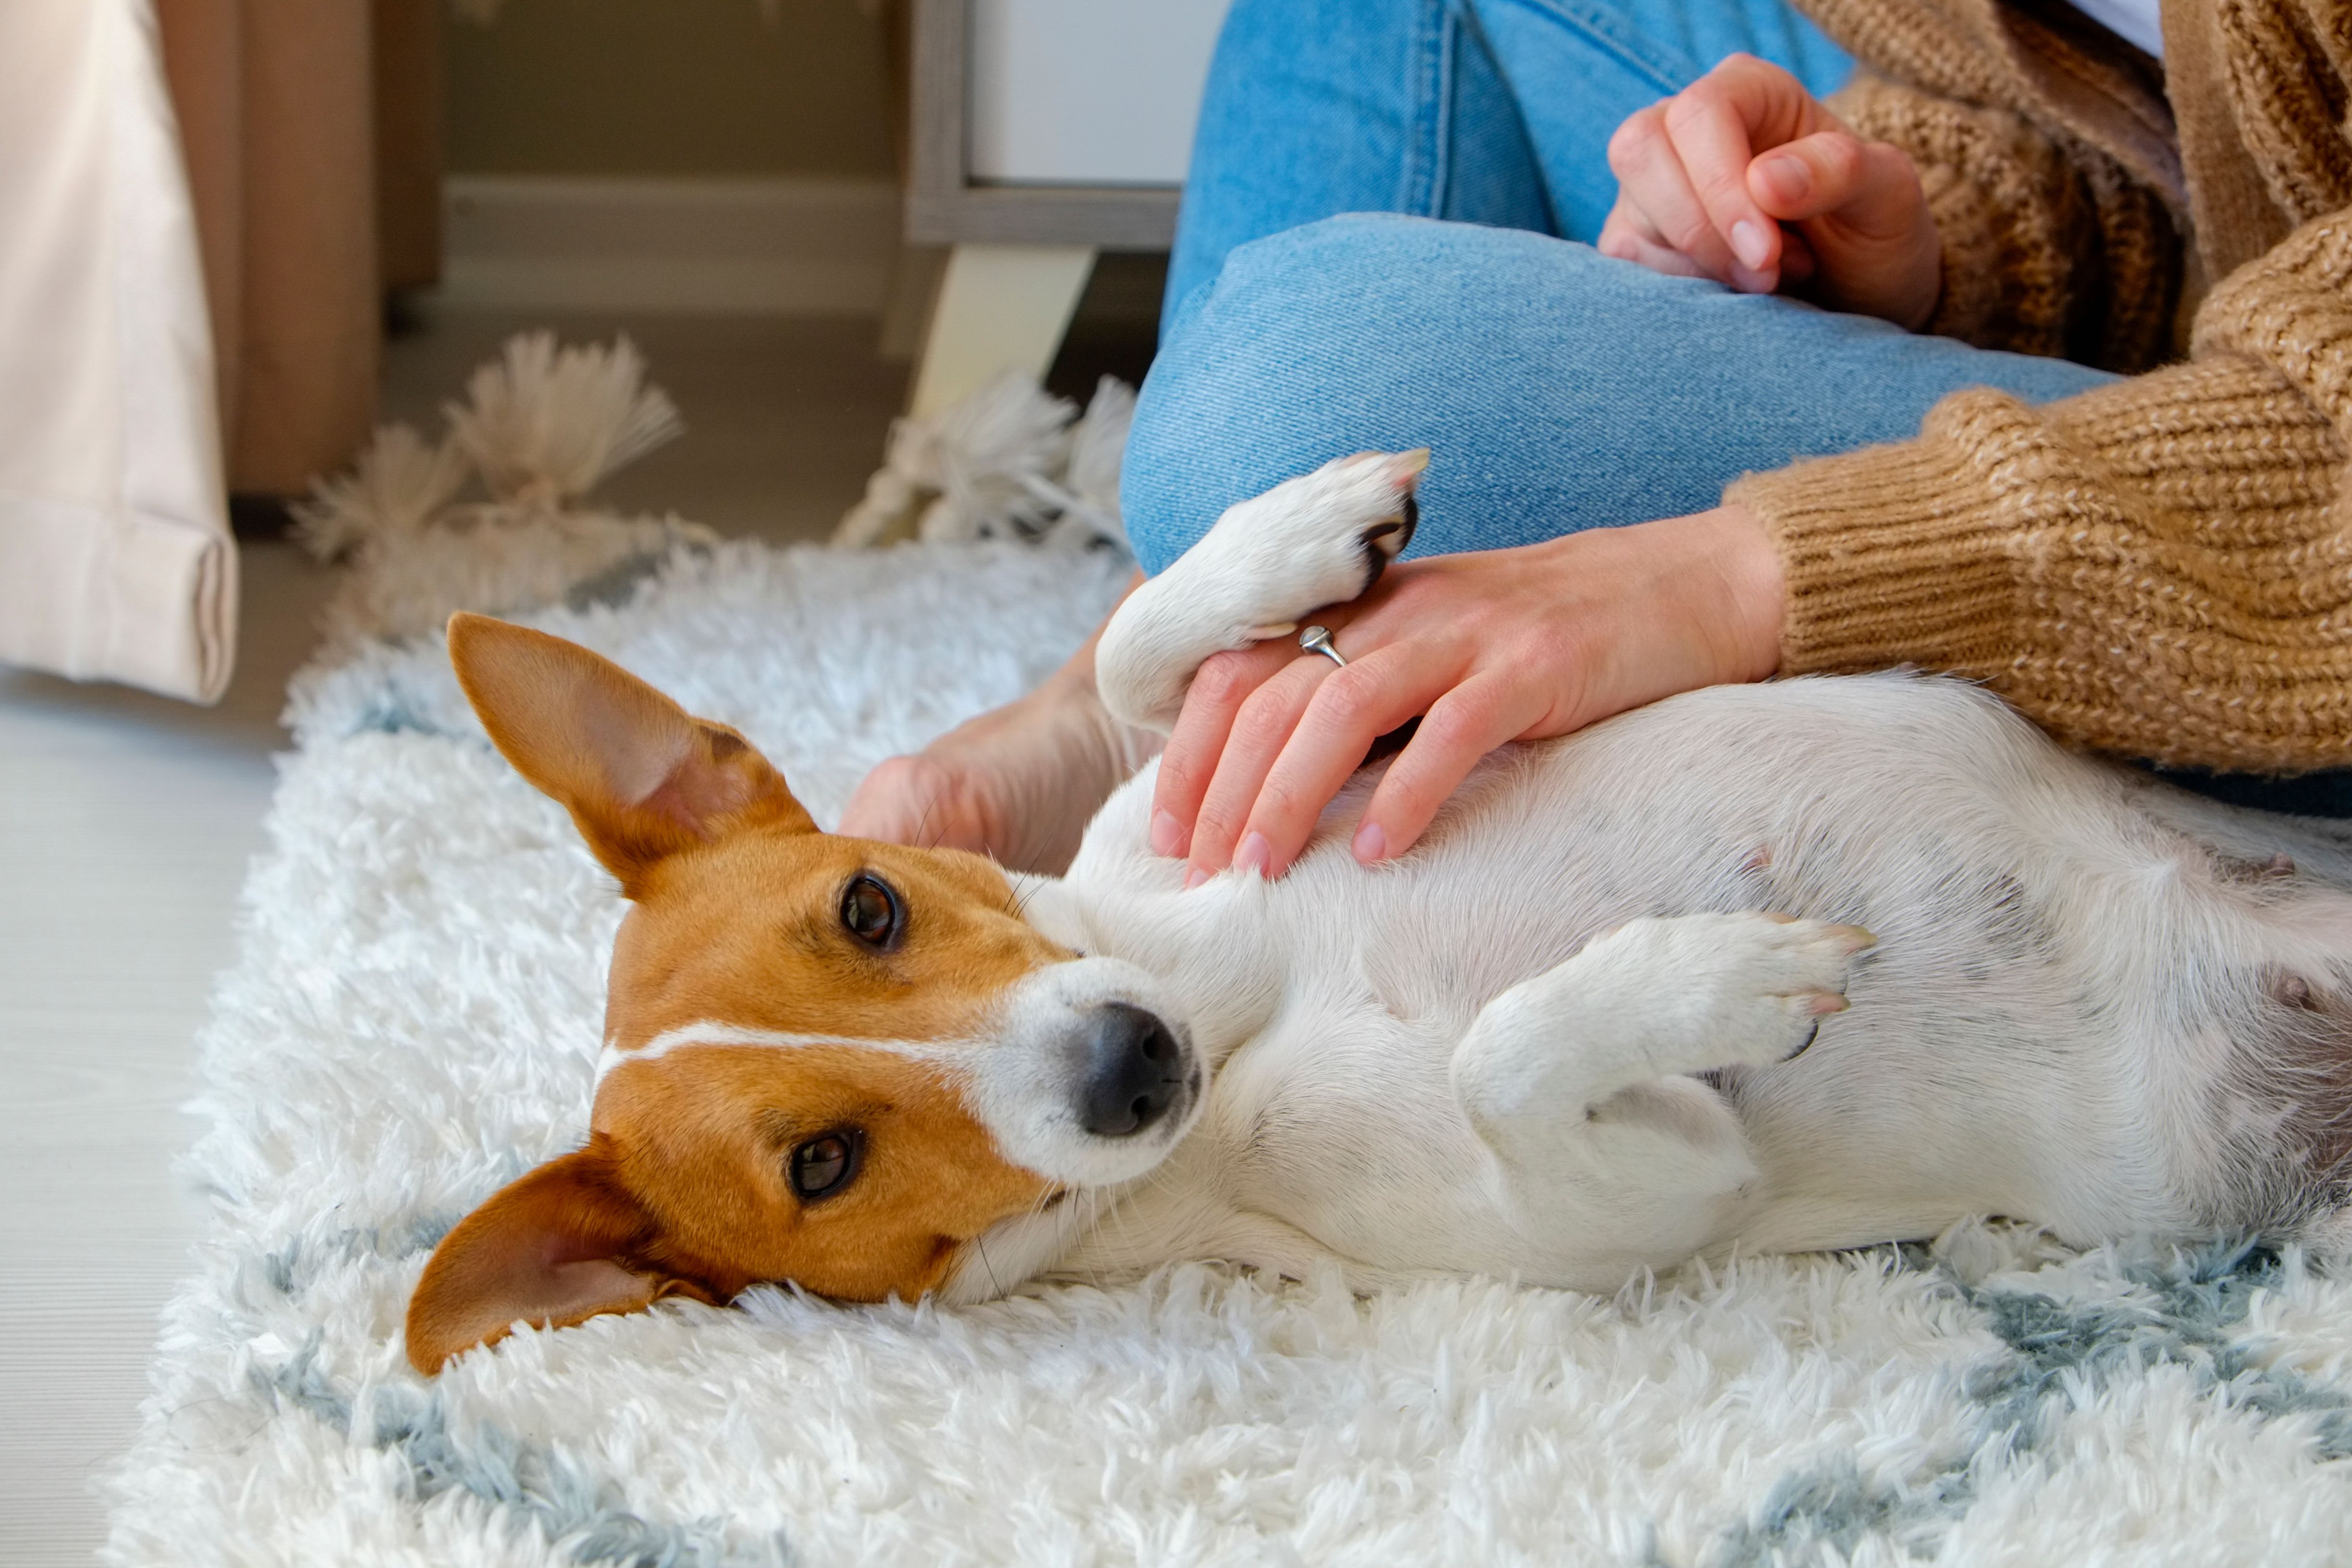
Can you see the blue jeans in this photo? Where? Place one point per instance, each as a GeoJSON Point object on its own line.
{"type": "Point", "coordinates": [1557, 389]}
{"type": "Point", "coordinates": [1384, 243]}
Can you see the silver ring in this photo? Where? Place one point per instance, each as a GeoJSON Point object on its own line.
{"type": "Point", "coordinates": [1317, 639]}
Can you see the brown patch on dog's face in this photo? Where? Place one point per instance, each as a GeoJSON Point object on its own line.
{"type": "Point", "coordinates": [747, 920]}
{"type": "Point", "coordinates": [751, 934]}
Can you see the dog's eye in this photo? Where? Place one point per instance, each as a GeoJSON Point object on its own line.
{"type": "Point", "coordinates": [824, 1165]}
{"type": "Point", "coordinates": [870, 911]}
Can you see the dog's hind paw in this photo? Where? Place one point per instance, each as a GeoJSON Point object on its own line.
{"type": "Point", "coordinates": [1656, 998]}
{"type": "Point", "coordinates": [1765, 990]}
{"type": "Point", "coordinates": [1703, 992]}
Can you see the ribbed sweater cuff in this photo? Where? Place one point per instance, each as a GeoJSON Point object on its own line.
{"type": "Point", "coordinates": [1892, 556]}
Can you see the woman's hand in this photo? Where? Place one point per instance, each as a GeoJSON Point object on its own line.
{"type": "Point", "coordinates": [1019, 782]}
{"type": "Point", "coordinates": [1707, 179]}
{"type": "Point", "coordinates": [1499, 646]}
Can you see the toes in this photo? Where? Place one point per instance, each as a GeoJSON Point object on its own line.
{"type": "Point", "coordinates": [1398, 471]}
{"type": "Point", "coordinates": [1819, 953]}
{"type": "Point", "coordinates": [1338, 528]}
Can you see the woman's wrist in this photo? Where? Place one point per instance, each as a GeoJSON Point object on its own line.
{"type": "Point", "coordinates": [1743, 592]}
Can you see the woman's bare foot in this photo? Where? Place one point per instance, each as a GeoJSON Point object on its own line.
{"type": "Point", "coordinates": [1019, 782]}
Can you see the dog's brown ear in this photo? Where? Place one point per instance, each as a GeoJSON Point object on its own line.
{"type": "Point", "coordinates": [541, 1250]}
{"type": "Point", "coordinates": [642, 778]}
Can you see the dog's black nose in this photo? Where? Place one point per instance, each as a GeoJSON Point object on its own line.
{"type": "Point", "coordinates": [1134, 1071]}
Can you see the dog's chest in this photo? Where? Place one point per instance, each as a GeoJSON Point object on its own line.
{"type": "Point", "coordinates": [1334, 1000]}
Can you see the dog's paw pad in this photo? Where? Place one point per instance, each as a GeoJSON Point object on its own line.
{"type": "Point", "coordinates": [1385, 541]}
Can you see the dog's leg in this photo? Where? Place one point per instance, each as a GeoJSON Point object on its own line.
{"type": "Point", "coordinates": [1578, 1083]}
{"type": "Point", "coordinates": [1321, 539]}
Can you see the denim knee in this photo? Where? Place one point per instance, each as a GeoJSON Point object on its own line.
{"type": "Point", "coordinates": [1346, 335]}
{"type": "Point", "coordinates": [1247, 391]}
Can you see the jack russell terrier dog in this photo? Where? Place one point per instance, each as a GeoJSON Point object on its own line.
{"type": "Point", "coordinates": [1562, 1040]}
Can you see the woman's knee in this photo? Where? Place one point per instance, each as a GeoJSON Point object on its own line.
{"type": "Point", "coordinates": [1233, 389]}
{"type": "Point", "coordinates": [1367, 330]}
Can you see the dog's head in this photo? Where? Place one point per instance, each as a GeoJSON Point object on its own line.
{"type": "Point", "coordinates": [826, 1061]}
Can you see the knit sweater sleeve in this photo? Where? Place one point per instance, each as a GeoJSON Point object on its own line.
{"type": "Point", "coordinates": [2047, 250]}
{"type": "Point", "coordinates": [2161, 567]}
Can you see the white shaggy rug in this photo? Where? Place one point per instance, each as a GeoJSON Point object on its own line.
{"type": "Point", "coordinates": [414, 1020]}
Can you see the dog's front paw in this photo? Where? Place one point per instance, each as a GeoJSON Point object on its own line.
{"type": "Point", "coordinates": [1320, 539]}
{"type": "Point", "coordinates": [1323, 538]}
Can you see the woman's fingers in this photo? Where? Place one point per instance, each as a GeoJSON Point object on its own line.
{"type": "Point", "coordinates": [1260, 730]}
{"type": "Point", "coordinates": [1651, 180]}
{"type": "Point", "coordinates": [1863, 212]}
{"type": "Point", "coordinates": [1823, 172]}
{"type": "Point", "coordinates": [1461, 727]}
{"type": "Point", "coordinates": [1348, 711]}
{"type": "Point", "coordinates": [1491, 647]}
{"type": "Point", "coordinates": [1628, 236]}
{"type": "Point", "coordinates": [1714, 124]}
{"type": "Point", "coordinates": [1798, 266]}
{"type": "Point", "coordinates": [1708, 180]}
{"type": "Point", "coordinates": [1219, 688]}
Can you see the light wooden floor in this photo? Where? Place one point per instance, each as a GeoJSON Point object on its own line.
{"type": "Point", "coordinates": [126, 823]}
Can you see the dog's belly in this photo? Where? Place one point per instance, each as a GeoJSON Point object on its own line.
{"type": "Point", "coordinates": [2054, 1024]}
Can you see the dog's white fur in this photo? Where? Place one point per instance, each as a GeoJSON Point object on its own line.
{"type": "Point", "coordinates": [1553, 1042]}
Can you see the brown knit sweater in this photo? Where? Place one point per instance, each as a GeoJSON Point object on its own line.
{"type": "Point", "coordinates": [2162, 567]}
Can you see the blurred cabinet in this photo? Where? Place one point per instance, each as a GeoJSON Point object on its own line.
{"type": "Point", "coordinates": [1086, 92]}
{"type": "Point", "coordinates": [1042, 131]}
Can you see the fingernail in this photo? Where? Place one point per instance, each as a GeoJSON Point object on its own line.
{"type": "Point", "coordinates": [1194, 877]}
{"type": "Point", "coordinates": [1254, 854]}
{"type": "Point", "coordinates": [1371, 843]}
{"type": "Point", "coordinates": [1750, 243]}
{"type": "Point", "coordinates": [1167, 834]}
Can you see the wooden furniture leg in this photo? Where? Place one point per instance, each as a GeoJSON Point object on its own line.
{"type": "Point", "coordinates": [1001, 307]}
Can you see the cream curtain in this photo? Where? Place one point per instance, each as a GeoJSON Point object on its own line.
{"type": "Point", "coordinates": [200, 205]}
{"type": "Point", "coordinates": [275, 102]}
{"type": "Point", "coordinates": [115, 556]}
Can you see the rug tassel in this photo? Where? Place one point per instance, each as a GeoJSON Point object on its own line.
{"type": "Point", "coordinates": [1007, 462]}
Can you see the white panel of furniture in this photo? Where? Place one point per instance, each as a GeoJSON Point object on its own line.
{"type": "Point", "coordinates": [1086, 92]}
